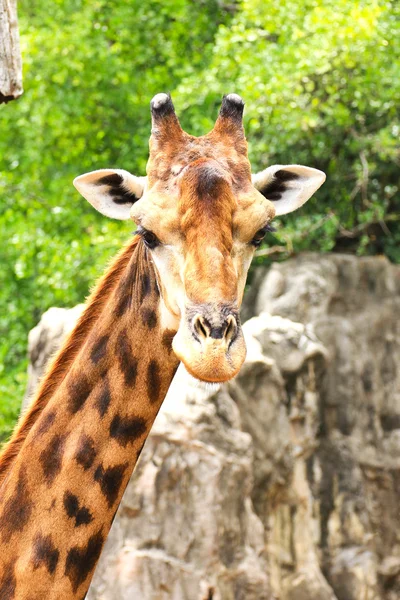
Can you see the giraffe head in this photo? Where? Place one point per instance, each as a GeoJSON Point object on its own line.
{"type": "Point", "coordinates": [201, 214]}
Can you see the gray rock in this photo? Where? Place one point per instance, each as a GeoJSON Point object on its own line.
{"type": "Point", "coordinates": [353, 574]}
{"type": "Point", "coordinates": [353, 306]}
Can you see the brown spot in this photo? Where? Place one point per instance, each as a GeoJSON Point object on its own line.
{"type": "Point", "coordinates": [51, 457]}
{"type": "Point", "coordinates": [79, 390]}
{"type": "Point", "coordinates": [145, 286]}
{"type": "Point", "coordinates": [149, 318]}
{"type": "Point", "coordinates": [81, 561]}
{"type": "Point", "coordinates": [127, 362]}
{"type": "Point", "coordinates": [8, 583]}
{"type": "Point", "coordinates": [104, 398]}
{"type": "Point", "coordinates": [110, 481]}
{"type": "Point", "coordinates": [99, 349]}
{"type": "Point", "coordinates": [45, 553]}
{"type": "Point", "coordinates": [84, 517]}
{"type": "Point", "coordinates": [71, 504]}
{"type": "Point", "coordinates": [86, 452]}
{"type": "Point", "coordinates": [124, 291]}
{"type": "Point", "coordinates": [208, 182]}
{"type": "Point", "coordinates": [153, 381]}
{"type": "Point", "coordinates": [81, 514]}
{"type": "Point", "coordinates": [167, 338]}
{"type": "Point", "coordinates": [126, 430]}
{"type": "Point", "coordinates": [46, 422]}
{"type": "Point", "coordinates": [123, 304]}
{"type": "Point", "coordinates": [17, 509]}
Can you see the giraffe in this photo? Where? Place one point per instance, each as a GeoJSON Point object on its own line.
{"type": "Point", "coordinates": [171, 295]}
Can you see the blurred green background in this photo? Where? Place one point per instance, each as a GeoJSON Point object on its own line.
{"type": "Point", "coordinates": [321, 82]}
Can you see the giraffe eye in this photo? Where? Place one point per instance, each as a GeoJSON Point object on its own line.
{"type": "Point", "coordinates": [260, 235]}
{"type": "Point", "coordinates": [149, 238]}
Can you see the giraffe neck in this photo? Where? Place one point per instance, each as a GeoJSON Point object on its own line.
{"type": "Point", "coordinates": [65, 357]}
{"type": "Point", "coordinates": [64, 486]}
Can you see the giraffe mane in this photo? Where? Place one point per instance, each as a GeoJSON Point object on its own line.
{"type": "Point", "coordinates": [63, 359]}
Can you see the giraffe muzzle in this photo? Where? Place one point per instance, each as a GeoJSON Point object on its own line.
{"type": "Point", "coordinates": [210, 343]}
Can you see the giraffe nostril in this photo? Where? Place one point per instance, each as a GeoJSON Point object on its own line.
{"type": "Point", "coordinates": [200, 327]}
{"type": "Point", "coordinates": [231, 329]}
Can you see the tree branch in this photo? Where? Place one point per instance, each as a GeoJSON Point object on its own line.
{"type": "Point", "coordinates": [10, 55]}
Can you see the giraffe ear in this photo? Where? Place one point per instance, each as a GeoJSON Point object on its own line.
{"type": "Point", "coordinates": [111, 191]}
{"type": "Point", "coordinates": [288, 186]}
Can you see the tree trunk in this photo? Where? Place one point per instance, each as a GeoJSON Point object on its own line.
{"type": "Point", "coordinates": [10, 55]}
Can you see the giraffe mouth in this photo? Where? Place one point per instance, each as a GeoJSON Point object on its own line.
{"type": "Point", "coordinates": [215, 377]}
{"type": "Point", "coordinates": [208, 386]}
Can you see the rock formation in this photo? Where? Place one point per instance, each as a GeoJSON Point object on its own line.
{"type": "Point", "coordinates": [285, 483]}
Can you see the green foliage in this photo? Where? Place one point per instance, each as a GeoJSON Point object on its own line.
{"type": "Point", "coordinates": [321, 82]}
{"type": "Point", "coordinates": [322, 88]}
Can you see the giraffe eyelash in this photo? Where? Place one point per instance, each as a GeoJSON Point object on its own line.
{"type": "Point", "coordinates": [149, 238]}
{"type": "Point", "coordinates": [259, 236]}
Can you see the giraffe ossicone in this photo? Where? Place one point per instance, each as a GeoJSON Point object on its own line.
{"type": "Point", "coordinates": [172, 294]}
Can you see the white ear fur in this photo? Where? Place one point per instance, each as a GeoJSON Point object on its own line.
{"type": "Point", "coordinates": [288, 186]}
{"type": "Point", "coordinates": [111, 191]}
